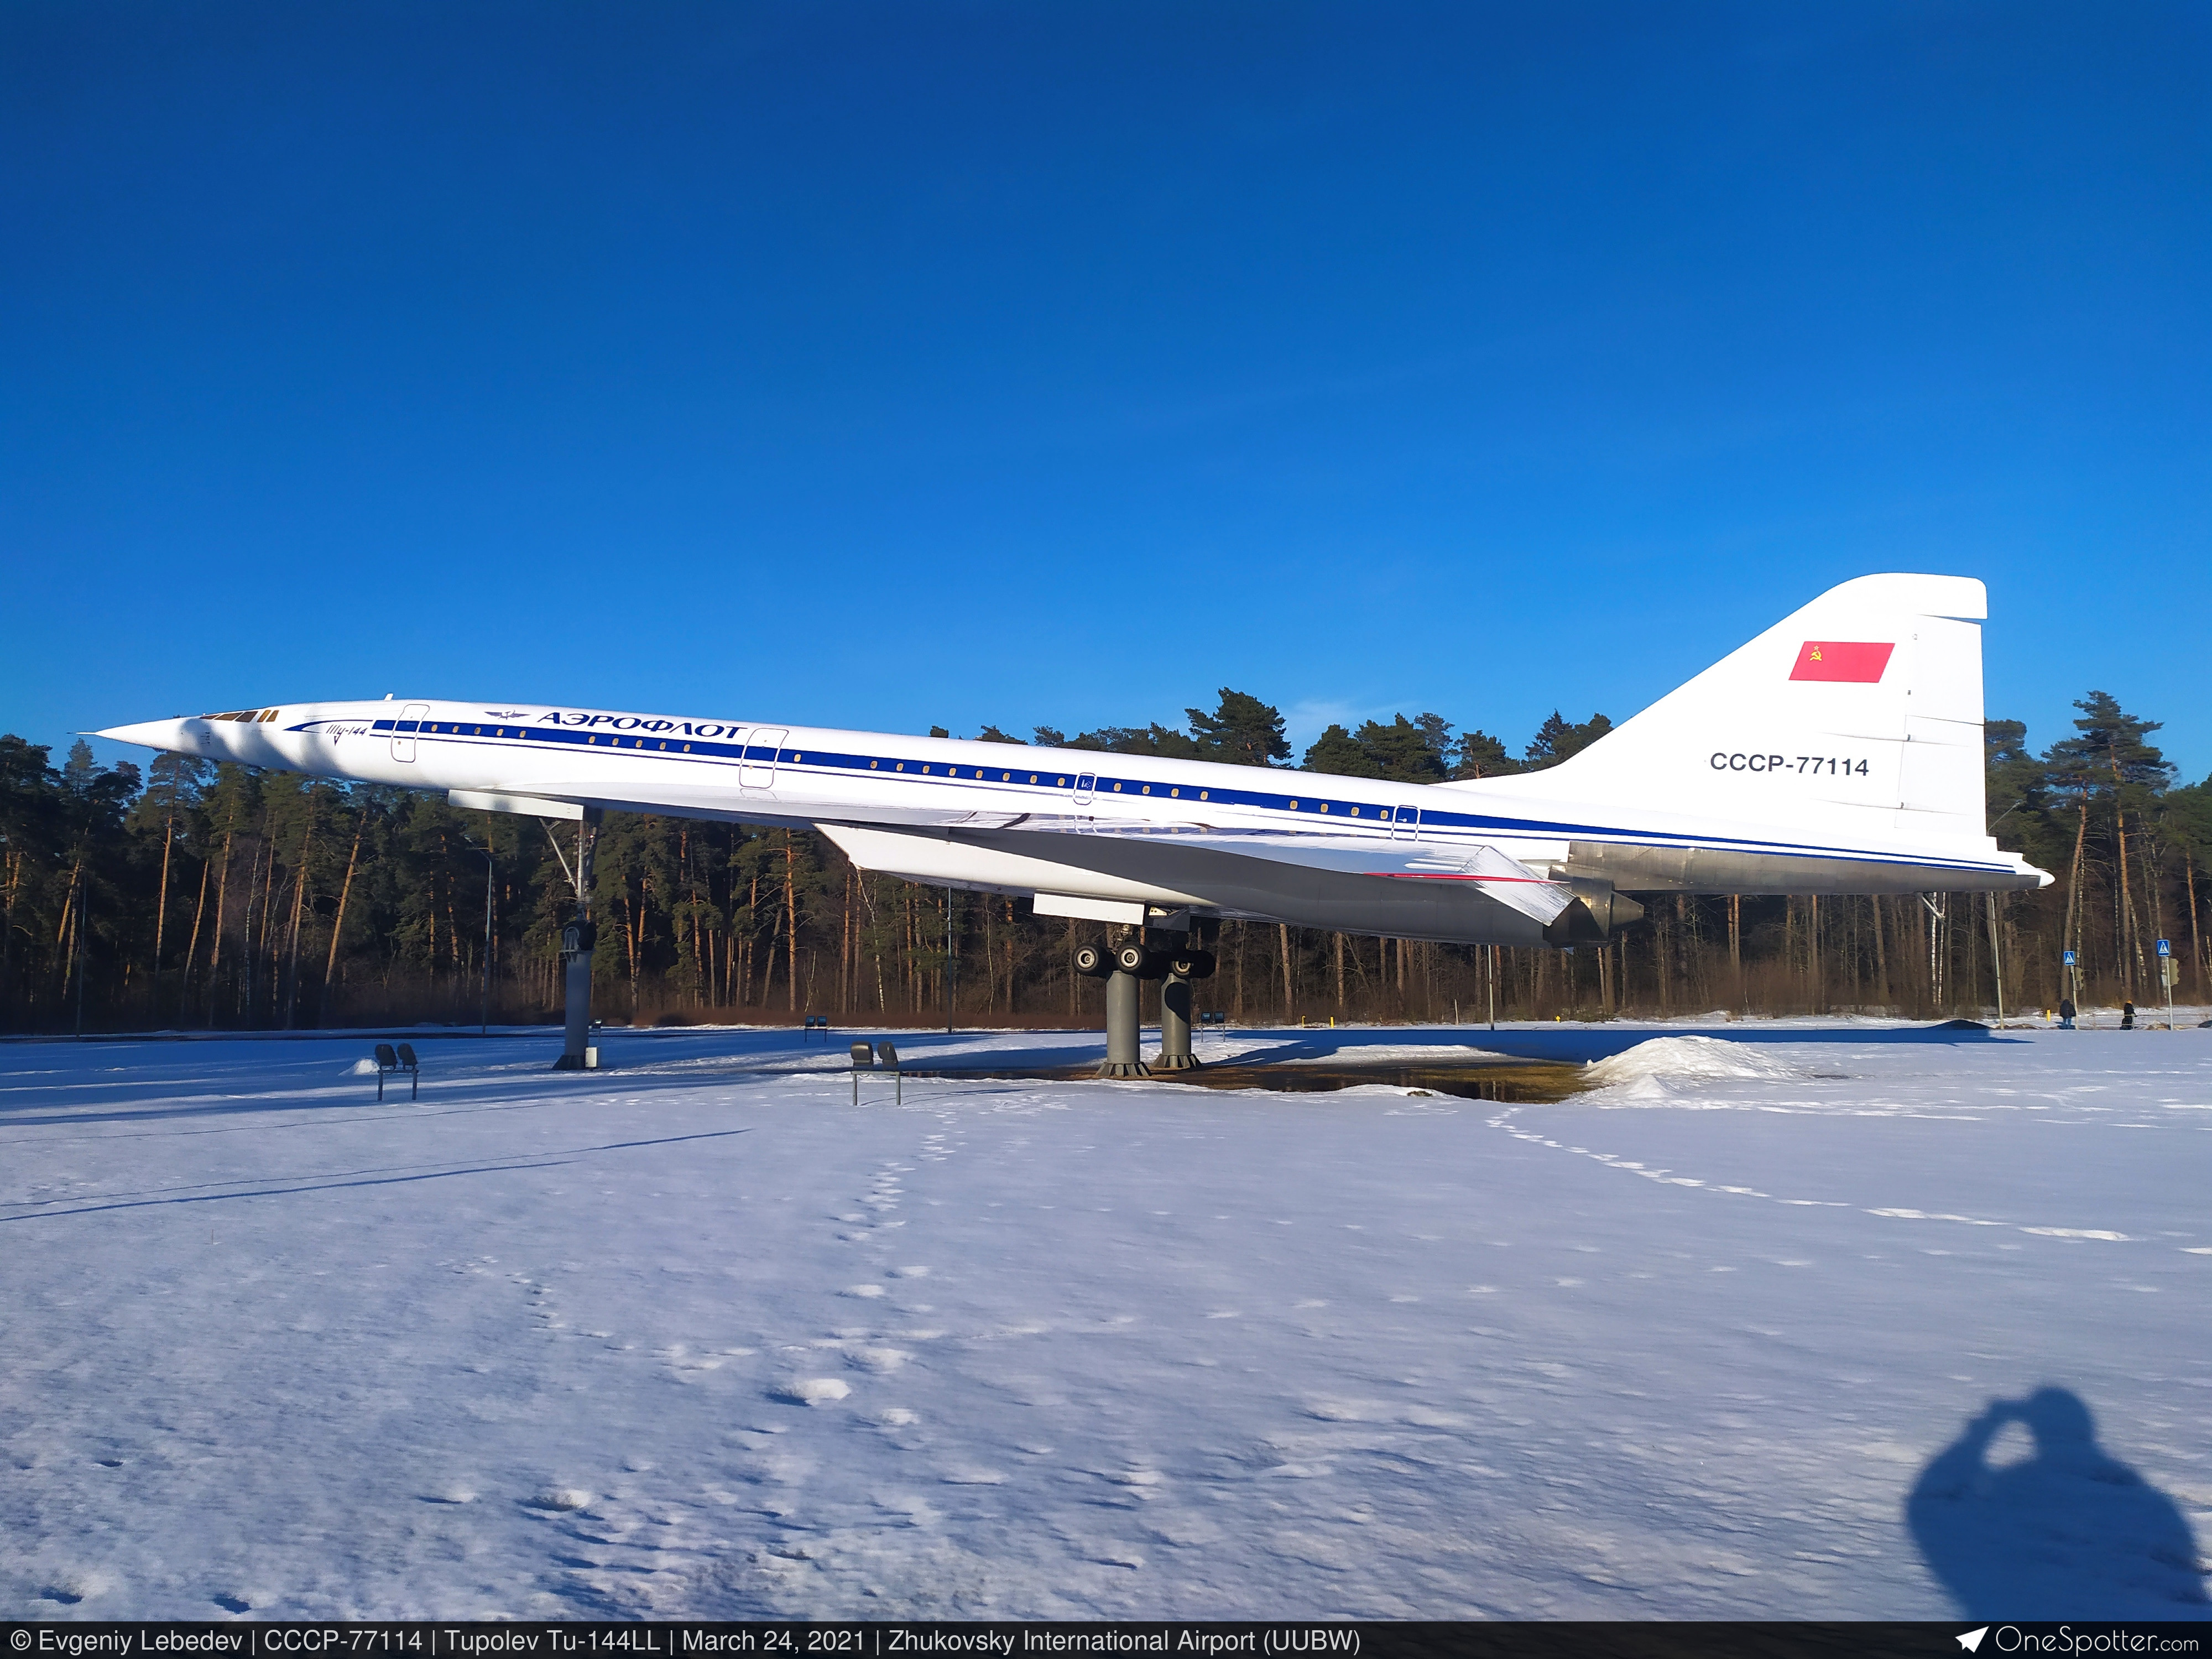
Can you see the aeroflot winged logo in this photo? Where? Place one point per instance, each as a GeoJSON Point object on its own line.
{"type": "Point", "coordinates": [1857, 662]}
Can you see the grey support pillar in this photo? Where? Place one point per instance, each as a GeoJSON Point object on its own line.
{"type": "Point", "coordinates": [577, 1053]}
{"type": "Point", "coordinates": [1174, 1026]}
{"type": "Point", "coordinates": [1123, 1057]}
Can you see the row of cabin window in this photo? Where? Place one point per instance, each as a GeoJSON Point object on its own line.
{"type": "Point", "coordinates": [797, 757]}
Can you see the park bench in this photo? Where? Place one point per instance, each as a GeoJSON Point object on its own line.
{"type": "Point", "coordinates": [402, 1059]}
{"type": "Point", "coordinates": [883, 1056]}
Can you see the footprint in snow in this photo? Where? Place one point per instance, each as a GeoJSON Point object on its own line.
{"type": "Point", "coordinates": [810, 1390]}
{"type": "Point", "coordinates": [878, 1359]}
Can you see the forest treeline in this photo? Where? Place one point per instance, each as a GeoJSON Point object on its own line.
{"type": "Point", "coordinates": [195, 896]}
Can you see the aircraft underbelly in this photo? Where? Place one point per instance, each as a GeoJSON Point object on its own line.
{"type": "Point", "coordinates": [1173, 872]}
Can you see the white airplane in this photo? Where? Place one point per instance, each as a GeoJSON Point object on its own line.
{"type": "Point", "coordinates": [1840, 752]}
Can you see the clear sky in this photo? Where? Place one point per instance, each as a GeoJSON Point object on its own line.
{"type": "Point", "coordinates": [889, 365]}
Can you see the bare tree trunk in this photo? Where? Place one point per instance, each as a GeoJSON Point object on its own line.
{"type": "Point", "coordinates": [791, 914]}
{"type": "Point", "coordinates": [1820, 959]}
{"type": "Point", "coordinates": [2195, 938]}
{"type": "Point", "coordinates": [1283, 933]}
{"type": "Point", "coordinates": [63, 953]}
{"type": "Point", "coordinates": [337, 926]}
{"type": "Point", "coordinates": [2130, 940]}
{"type": "Point", "coordinates": [2071, 938]}
{"type": "Point", "coordinates": [193, 946]}
{"type": "Point", "coordinates": [1338, 939]}
{"type": "Point", "coordinates": [299, 903]}
{"type": "Point", "coordinates": [221, 894]}
{"type": "Point", "coordinates": [162, 902]}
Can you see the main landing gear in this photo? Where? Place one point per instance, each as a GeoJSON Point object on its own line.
{"type": "Point", "coordinates": [1124, 965]}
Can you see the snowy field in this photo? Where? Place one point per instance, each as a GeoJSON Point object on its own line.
{"type": "Point", "coordinates": [696, 1336]}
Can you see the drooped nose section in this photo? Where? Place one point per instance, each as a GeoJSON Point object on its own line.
{"type": "Point", "coordinates": [176, 735]}
{"type": "Point", "coordinates": [239, 734]}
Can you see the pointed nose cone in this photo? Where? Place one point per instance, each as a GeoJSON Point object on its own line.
{"type": "Point", "coordinates": [150, 734]}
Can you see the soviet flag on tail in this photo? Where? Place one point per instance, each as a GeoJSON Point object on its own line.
{"type": "Point", "coordinates": [1855, 662]}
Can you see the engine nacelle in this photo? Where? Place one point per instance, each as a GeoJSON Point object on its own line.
{"type": "Point", "coordinates": [1595, 913]}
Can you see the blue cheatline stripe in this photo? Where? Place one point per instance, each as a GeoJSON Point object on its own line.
{"type": "Point", "coordinates": [1306, 808]}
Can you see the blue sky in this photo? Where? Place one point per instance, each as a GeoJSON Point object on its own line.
{"type": "Point", "coordinates": [890, 365]}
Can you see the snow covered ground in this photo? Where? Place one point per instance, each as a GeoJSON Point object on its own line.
{"type": "Point", "coordinates": [697, 1336]}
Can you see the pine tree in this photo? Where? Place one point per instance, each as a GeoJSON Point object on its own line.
{"type": "Point", "coordinates": [1559, 739]}
{"type": "Point", "coordinates": [1241, 731]}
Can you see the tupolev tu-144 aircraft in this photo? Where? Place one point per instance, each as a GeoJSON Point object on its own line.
{"type": "Point", "coordinates": [1840, 752]}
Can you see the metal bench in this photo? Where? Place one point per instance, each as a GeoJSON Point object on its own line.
{"type": "Point", "coordinates": [883, 1057]}
{"type": "Point", "coordinates": [814, 1022]}
{"type": "Point", "coordinates": [402, 1061]}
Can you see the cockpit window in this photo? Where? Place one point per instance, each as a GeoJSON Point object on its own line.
{"type": "Point", "coordinates": [244, 716]}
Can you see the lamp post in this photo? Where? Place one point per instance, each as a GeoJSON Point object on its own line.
{"type": "Point", "coordinates": [484, 1000]}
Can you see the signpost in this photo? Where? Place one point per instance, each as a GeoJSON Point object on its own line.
{"type": "Point", "coordinates": [2166, 975]}
{"type": "Point", "coordinates": [2072, 972]}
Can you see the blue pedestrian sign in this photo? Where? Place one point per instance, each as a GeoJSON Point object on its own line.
{"type": "Point", "coordinates": [2069, 956]}
{"type": "Point", "coordinates": [2164, 949]}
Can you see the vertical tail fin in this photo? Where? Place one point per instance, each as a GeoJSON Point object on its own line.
{"type": "Point", "coordinates": [1863, 708]}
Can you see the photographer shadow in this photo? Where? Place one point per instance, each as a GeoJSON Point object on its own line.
{"type": "Point", "coordinates": [2067, 1532]}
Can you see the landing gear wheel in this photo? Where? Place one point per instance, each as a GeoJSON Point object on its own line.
{"type": "Point", "coordinates": [1093, 961]}
{"type": "Point", "coordinates": [1130, 956]}
{"type": "Point", "coordinates": [1191, 964]}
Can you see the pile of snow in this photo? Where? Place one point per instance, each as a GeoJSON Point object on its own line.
{"type": "Point", "coordinates": [1648, 1070]}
